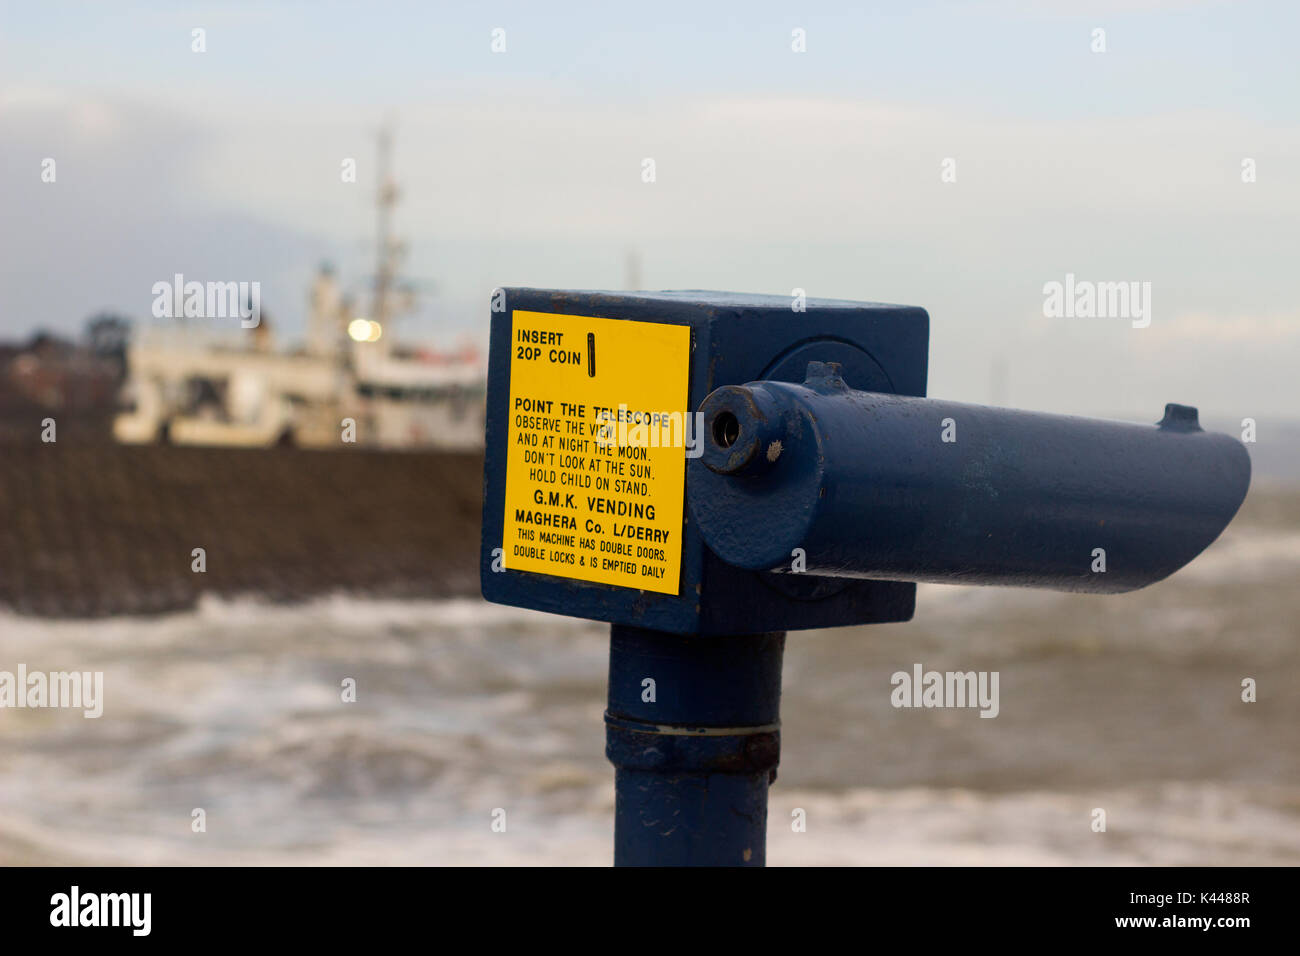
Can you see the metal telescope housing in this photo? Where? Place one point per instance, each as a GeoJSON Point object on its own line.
{"type": "Point", "coordinates": [706, 471]}
{"type": "Point", "coordinates": [899, 488]}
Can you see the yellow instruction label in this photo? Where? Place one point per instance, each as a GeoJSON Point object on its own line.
{"type": "Point", "coordinates": [596, 457]}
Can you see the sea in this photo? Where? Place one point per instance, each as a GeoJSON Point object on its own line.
{"type": "Point", "coordinates": [229, 735]}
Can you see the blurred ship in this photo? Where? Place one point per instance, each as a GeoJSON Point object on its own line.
{"type": "Point", "coordinates": [182, 392]}
{"type": "Point", "coordinates": [349, 383]}
{"type": "Point", "coordinates": [121, 453]}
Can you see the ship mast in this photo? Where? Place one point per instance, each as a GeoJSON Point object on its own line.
{"type": "Point", "coordinates": [388, 249]}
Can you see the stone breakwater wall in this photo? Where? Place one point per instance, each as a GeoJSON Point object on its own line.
{"type": "Point", "coordinates": [94, 529]}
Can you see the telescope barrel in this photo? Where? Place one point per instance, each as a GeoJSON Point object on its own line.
{"type": "Point", "coordinates": [833, 482]}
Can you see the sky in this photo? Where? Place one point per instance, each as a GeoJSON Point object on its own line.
{"type": "Point", "coordinates": [829, 170]}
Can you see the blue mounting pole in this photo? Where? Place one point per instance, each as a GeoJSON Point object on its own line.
{"type": "Point", "coordinates": [693, 731]}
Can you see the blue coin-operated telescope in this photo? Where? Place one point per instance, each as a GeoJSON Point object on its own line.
{"type": "Point", "coordinates": [706, 471]}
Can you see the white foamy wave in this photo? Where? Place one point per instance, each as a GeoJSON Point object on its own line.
{"type": "Point", "coordinates": [1252, 556]}
{"type": "Point", "coordinates": [1172, 825]}
{"type": "Point", "coordinates": [463, 707]}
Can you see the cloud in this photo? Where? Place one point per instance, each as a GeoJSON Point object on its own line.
{"type": "Point", "coordinates": [1257, 331]}
{"type": "Point", "coordinates": [840, 197]}
{"type": "Point", "coordinates": [123, 212]}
